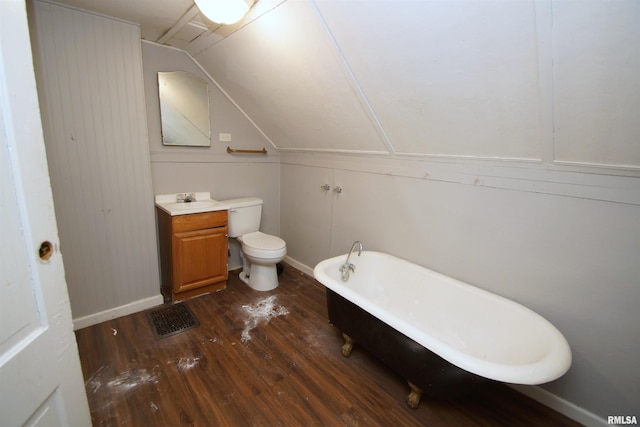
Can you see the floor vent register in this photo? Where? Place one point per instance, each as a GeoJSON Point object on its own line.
{"type": "Point", "coordinates": [172, 320]}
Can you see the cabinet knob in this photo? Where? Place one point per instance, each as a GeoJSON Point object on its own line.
{"type": "Point", "coordinates": [337, 189]}
{"type": "Point", "coordinates": [326, 187]}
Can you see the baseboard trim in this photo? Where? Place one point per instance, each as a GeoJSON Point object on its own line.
{"type": "Point", "coordinates": [561, 405]}
{"type": "Point", "coordinates": [298, 265]}
{"type": "Point", "coordinates": [112, 313]}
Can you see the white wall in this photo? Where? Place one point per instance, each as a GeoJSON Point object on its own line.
{"type": "Point", "coordinates": [105, 171]}
{"type": "Point", "coordinates": [596, 58]}
{"type": "Point", "coordinates": [89, 71]}
{"type": "Point", "coordinates": [496, 142]}
{"type": "Point", "coordinates": [566, 245]}
{"type": "Point", "coordinates": [545, 81]}
{"type": "Point", "coordinates": [513, 160]}
{"type": "Point", "coordinates": [225, 176]}
{"type": "Point", "coordinates": [506, 141]}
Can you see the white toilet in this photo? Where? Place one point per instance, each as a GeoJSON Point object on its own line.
{"type": "Point", "coordinates": [260, 251]}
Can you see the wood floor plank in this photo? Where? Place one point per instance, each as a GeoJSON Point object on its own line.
{"type": "Point", "coordinates": [266, 359]}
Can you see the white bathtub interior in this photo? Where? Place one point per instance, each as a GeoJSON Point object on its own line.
{"type": "Point", "coordinates": [476, 330]}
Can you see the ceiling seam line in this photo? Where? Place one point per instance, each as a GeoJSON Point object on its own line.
{"type": "Point", "coordinates": [356, 85]}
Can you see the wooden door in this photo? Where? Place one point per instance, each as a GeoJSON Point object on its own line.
{"type": "Point", "coordinates": [40, 376]}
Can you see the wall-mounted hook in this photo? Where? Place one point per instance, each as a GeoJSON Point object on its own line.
{"type": "Point", "coordinates": [326, 187]}
{"type": "Point", "coordinates": [337, 189]}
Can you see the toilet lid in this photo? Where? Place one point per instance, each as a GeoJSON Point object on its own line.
{"type": "Point", "coordinates": [259, 240]}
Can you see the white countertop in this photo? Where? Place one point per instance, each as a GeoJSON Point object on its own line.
{"type": "Point", "coordinates": [203, 203]}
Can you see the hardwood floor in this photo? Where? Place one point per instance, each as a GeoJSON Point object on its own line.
{"type": "Point", "coordinates": [266, 359]}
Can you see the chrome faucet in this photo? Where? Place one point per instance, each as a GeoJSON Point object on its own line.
{"type": "Point", "coordinates": [347, 267]}
{"type": "Point", "coordinates": [185, 197]}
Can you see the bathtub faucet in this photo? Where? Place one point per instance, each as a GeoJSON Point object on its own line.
{"type": "Point", "coordinates": [347, 267]}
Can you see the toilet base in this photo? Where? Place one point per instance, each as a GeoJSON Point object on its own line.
{"type": "Point", "coordinates": [261, 277]}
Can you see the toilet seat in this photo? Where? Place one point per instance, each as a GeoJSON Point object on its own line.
{"type": "Point", "coordinates": [262, 245]}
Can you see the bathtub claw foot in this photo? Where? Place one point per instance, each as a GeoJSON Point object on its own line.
{"type": "Point", "coordinates": [347, 346]}
{"type": "Point", "coordinates": [413, 400]}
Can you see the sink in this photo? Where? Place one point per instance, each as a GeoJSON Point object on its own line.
{"type": "Point", "coordinates": [203, 203]}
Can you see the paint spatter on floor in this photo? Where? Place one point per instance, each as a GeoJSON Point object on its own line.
{"type": "Point", "coordinates": [185, 363]}
{"type": "Point", "coordinates": [260, 313]}
{"type": "Point", "coordinates": [105, 389]}
{"type": "Point", "coordinates": [93, 384]}
{"type": "Point", "coordinates": [131, 379]}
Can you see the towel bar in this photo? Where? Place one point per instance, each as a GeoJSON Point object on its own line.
{"type": "Point", "coordinates": [235, 151]}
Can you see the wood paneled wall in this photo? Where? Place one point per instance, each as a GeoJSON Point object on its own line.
{"type": "Point", "coordinates": [92, 100]}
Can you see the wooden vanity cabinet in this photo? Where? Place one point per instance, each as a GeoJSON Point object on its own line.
{"type": "Point", "coordinates": [193, 253]}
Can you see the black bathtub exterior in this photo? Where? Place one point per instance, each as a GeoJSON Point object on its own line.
{"type": "Point", "coordinates": [433, 375]}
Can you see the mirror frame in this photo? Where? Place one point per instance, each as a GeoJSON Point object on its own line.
{"type": "Point", "coordinates": [184, 109]}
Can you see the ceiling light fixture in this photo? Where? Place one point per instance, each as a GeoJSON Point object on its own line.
{"type": "Point", "coordinates": [224, 11]}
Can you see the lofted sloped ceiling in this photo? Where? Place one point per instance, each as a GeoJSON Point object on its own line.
{"type": "Point", "coordinates": [453, 78]}
{"type": "Point", "coordinates": [408, 77]}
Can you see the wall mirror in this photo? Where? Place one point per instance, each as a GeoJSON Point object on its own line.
{"type": "Point", "coordinates": [184, 109]}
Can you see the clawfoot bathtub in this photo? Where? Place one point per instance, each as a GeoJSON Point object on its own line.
{"type": "Point", "coordinates": [440, 334]}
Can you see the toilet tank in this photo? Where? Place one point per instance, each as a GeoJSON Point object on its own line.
{"type": "Point", "coordinates": [244, 215]}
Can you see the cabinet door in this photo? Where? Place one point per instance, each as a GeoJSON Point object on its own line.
{"type": "Point", "coordinates": [306, 210]}
{"type": "Point", "coordinates": [200, 258]}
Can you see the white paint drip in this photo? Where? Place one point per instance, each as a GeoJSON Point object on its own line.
{"type": "Point", "coordinates": [187, 362]}
{"type": "Point", "coordinates": [261, 312]}
{"type": "Point", "coordinates": [94, 383]}
{"type": "Point", "coordinates": [118, 387]}
{"type": "Point", "coordinates": [131, 379]}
